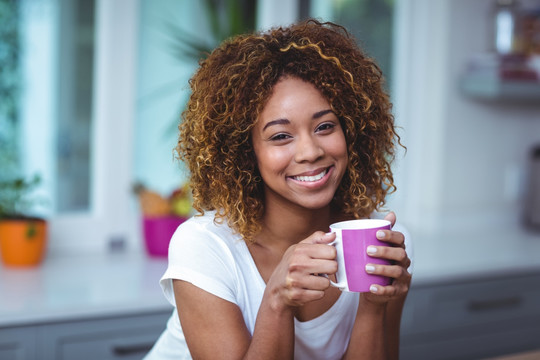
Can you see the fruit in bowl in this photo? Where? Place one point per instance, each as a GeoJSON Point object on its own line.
{"type": "Point", "coordinates": [152, 204]}
{"type": "Point", "coordinates": [162, 215]}
{"type": "Point", "coordinates": [180, 201]}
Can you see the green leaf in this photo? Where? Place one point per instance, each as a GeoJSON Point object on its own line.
{"type": "Point", "coordinates": [31, 230]}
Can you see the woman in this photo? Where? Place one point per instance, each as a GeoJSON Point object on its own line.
{"type": "Point", "coordinates": [285, 133]}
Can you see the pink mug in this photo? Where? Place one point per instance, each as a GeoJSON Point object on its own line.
{"type": "Point", "coordinates": [352, 239]}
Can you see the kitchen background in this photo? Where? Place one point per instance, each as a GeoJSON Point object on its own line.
{"type": "Point", "coordinates": [102, 83]}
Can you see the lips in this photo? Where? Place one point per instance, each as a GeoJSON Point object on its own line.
{"type": "Point", "coordinates": [311, 178]}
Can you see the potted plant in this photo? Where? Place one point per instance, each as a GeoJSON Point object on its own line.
{"type": "Point", "coordinates": [23, 237]}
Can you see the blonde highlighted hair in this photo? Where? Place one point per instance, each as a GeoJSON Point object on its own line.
{"type": "Point", "coordinates": [229, 91]}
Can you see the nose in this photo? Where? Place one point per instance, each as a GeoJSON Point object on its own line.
{"type": "Point", "coordinates": [308, 149]}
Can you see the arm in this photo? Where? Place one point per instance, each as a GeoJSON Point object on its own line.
{"type": "Point", "coordinates": [214, 328]}
{"type": "Point", "coordinates": [375, 333]}
{"type": "Point", "coordinates": [368, 338]}
{"type": "Point", "coordinates": [394, 310]}
{"type": "Point", "coordinates": [376, 330]}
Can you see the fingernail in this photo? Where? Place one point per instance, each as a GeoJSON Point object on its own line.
{"type": "Point", "coordinates": [380, 234]}
{"type": "Point", "coordinates": [370, 268]}
{"type": "Point", "coordinates": [373, 289]}
{"type": "Point", "coordinates": [371, 250]}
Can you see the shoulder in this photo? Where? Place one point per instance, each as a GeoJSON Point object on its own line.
{"type": "Point", "coordinates": [202, 237]}
{"type": "Point", "coordinates": [204, 253]}
{"type": "Point", "coordinates": [203, 228]}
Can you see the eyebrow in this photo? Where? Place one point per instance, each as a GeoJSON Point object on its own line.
{"type": "Point", "coordinates": [317, 115]}
{"type": "Point", "coordinates": [276, 122]}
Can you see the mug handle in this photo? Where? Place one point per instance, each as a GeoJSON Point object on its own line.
{"type": "Point", "coordinates": [340, 285]}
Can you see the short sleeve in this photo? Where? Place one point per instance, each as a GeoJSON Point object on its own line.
{"type": "Point", "coordinates": [198, 256]}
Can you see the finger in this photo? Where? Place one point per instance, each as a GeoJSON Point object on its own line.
{"type": "Point", "coordinates": [299, 297]}
{"type": "Point", "coordinates": [301, 288]}
{"type": "Point", "coordinates": [393, 237]}
{"type": "Point", "coordinates": [316, 282]}
{"type": "Point", "coordinates": [382, 290]}
{"type": "Point", "coordinates": [307, 282]}
{"type": "Point", "coordinates": [389, 290]}
{"type": "Point", "coordinates": [397, 288]}
{"type": "Point", "coordinates": [305, 254]}
{"type": "Point", "coordinates": [391, 216]}
{"type": "Point", "coordinates": [324, 266]}
{"type": "Point", "coordinates": [320, 237]}
{"type": "Point", "coordinates": [397, 254]}
{"type": "Point", "coordinates": [391, 271]}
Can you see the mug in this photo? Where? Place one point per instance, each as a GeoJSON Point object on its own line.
{"type": "Point", "coordinates": [352, 239]}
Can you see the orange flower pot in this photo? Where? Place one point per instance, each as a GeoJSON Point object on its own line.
{"type": "Point", "coordinates": [22, 241]}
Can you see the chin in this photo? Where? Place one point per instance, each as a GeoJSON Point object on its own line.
{"type": "Point", "coordinates": [315, 205]}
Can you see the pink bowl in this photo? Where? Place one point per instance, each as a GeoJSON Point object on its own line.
{"type": "Point", "coordinates": [158, 232]}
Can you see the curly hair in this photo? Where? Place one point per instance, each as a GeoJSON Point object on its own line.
{"type": "Point", "coordinates": [229, 91]}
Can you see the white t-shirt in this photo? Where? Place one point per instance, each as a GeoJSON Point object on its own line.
{"type": "Point", "coordinates": [213, 258]}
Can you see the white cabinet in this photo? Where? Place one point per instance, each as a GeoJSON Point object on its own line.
{"type": "Point", "coordinates": [472, 318]}
{"type": "Point", "coordinates": [82, 306]}
{"type": "Point", "coordinates": [122, 337]}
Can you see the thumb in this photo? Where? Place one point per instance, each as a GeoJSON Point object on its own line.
{"type": "Point", "coordinates": [391, 216]}
{"type": "Point", "coordinates": [320, 237]}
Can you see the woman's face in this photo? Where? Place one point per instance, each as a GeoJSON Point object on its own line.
{"type": "Point", "coordinates": [300, 146]}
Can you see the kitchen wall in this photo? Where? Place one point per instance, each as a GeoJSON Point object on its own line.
{"type": "Point", "coordinates": [465, 163]}
{"type": "Point", "coordinates": [487, 143]}
{"type": "Point", "coordinates": [162, 87]}
{"type": "Point", "coordinates": [466, 159]}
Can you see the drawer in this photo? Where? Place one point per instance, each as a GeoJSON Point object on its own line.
{"type": "Point", "coordinates": [106, 339]}
{"type": "Point", "coordinates": [128, 346]}
{"type": "Point", "coordinates": [18, 343]}
{"type": "Point", "coordinates": [472, 303]}
{"type": "Point", "coordinates": [470, 345]}
{"type": "Point", "coordinates": [472, 318]}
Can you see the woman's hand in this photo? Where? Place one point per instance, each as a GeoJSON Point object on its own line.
{"type": "Point", "coordinates": [295, 281]}
{"type": "Point", "coordinates": [401, 279]}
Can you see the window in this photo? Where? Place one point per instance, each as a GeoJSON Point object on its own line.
{"type": "Point", "coordinates": [75, 76]}
{"type": "Point", "coordinates": [371, 22]}
{"type": "Point", "coordinates": [75, 111]}
{"type": "Point", "coordinates": [83, 119]}
{"type": "Point", "coordinates": [10, 47]}
{"type": "Point", "coordinates": [54, 118]}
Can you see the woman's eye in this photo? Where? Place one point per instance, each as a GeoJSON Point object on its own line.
{"type": "Point", "coordinates": [326, 126]}
{"type": "Point", "coordinates": [278, 137]}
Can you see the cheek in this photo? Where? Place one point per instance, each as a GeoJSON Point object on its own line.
{"type": "Point", "coordinates": [274, 159]}
{"type": "Point", "coordinates": [338, 147]}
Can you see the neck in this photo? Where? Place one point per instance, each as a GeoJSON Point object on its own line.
{"type": "Point", "coordinates": [283, 226]}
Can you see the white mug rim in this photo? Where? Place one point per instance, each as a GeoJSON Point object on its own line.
{"type": "Point", "coordinates": [360, 224]}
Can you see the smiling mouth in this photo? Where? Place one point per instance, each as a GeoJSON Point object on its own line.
{"type": "Point", "coordinates": [311, 178]}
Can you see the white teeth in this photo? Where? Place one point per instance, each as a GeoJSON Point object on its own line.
{"type": "Point", "coordinates": [311, 178]}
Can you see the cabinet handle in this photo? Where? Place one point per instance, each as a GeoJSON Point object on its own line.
{"type": "Point", "coordinates": [130, 349]}
{"type": "Point", "coordinates": [502, 303]}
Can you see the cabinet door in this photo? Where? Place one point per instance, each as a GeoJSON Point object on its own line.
{"type": "Point", "coordinates": [472, 319]}
{"type": "Point", "coordinates": [132, 346]}
{"type": "Point", "coordinates": [18, 343]}
{"type": "Point", "coordinates": [125, 338]}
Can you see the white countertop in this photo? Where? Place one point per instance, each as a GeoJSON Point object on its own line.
{"type": "Point", "coordinates": [80, 287]}
{"type": "Point", "coordinates": [454, 253]}
{"type": "Point", "coordinates": [87, 286]}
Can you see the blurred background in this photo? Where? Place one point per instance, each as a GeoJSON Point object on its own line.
{"type": "Point", "coordinates": [91, 93]}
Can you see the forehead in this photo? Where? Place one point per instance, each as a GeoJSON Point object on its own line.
{"type": "Point", "coordinates": [292, 97]}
